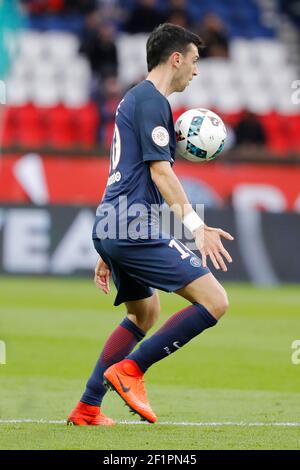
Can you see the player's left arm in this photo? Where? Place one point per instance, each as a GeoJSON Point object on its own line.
{"type": "Point", "coordinates": [208, 239]}
{"type": "Point", "coordinates": [102, 275]}
{"type": "Point", "coordinates": [152, 118]}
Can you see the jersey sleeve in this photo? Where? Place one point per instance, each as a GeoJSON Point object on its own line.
{"type": "Point", "coordinates": [152, 118]}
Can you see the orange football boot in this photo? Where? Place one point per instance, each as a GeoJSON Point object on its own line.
{"type": "Point", "coordinates": [127, 380]}
{"type": "Point", "coordinates": [88, 415]}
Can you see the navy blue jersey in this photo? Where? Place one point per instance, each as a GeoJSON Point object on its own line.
{"type": "Point", "coordinates": [144, 131]}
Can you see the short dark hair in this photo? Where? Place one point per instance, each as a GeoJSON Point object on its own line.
{"type": "Point", "coordinates": [166, 39]}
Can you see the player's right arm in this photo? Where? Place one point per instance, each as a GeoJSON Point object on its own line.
{"type": "Point", "coordinates": [208, 239]}
{"type": "Point", "coordinates": [102, 275]}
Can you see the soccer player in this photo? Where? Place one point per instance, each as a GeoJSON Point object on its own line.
{"type": "Point", "coordinates": [141, 175]}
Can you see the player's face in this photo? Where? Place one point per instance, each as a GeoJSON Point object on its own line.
{"type": "Point", "coordinates": [187, 69]}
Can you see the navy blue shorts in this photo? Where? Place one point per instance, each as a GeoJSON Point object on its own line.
{"type": "Point", "coordinates": [139, 266]}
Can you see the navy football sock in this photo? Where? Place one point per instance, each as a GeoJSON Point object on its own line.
{"type": "Point", "coordinates": [177, 331]}
{"type": "Point", "coordinates": [119, 344]}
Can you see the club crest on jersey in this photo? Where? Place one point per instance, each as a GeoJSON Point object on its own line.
{"type": "Point", "coordinates": [196, 262]}
{"type": "Point", "coordinates": [160, 136]}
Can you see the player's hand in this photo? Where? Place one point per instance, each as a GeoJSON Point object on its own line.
{"type": "Point", "coordinates": [102, 275]}
{"type": "Point", "coordinates": [208, 241]}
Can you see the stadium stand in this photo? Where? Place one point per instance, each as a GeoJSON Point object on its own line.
{"type": "Point", "coordinates": [51, 85]}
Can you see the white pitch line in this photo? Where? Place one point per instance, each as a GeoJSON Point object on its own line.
{"type": "Point", "coordinates": [164, 423]}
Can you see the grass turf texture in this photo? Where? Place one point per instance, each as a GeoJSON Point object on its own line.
{"type": "Point", "coordinates": [239, 371]}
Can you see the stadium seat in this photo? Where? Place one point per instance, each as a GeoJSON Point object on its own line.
{"type": "Point", "coordinates": [61, 46]}
{"type": "Point", "coordinates": [284, 103]}
{"type": "Point", "coordinates": [22, 69]}
{"type": "Point", "coordinates": [248, 78]}
{"type": "Point", "coordinates": [77, 70]}
{"type": "Point", "coordinates": [231, 118]}
{"type": "Point", "coordinates": [76, 83]}
{"type": "Point", "coordinates": [228, 101]}
{"type": "Point", "coordinates": [10, 127]}
{"type": "Point", "coordinates": [74, 95]}
{"type": "Point", "coordinates": [31, 45]}
{"type": "Point", "coordinates": [17, 92]}
{"type": "Point", "coordinates": [280, 83]}
{"type": "Point", "coordinates": [217, 73]}
{"type": "Point", "coordinates": [293, 124]}
{"type": "Point", "coordinates": [46, 88]}
{"type": "Point", "coordinates": [86, 121]}
{"type": "Point", "coordinates": [196, 94]}
{"type": "Point", "coordinates": [45, 94]}
{"type": "Point", "coordinates": [269, 53]}
{"type": "Point", "coordinates": [45, 70]}
{"type": "Point", "coordinates": [60, 127]}
{"type": "Point", "coordinates": [131, 53]}
{"type": "Point", "coordinates": [30, 129]}
{"type": "Point", "coordinates": [276, 131]}
{"type": "Point", "coordinates": [241, 52]}
{"type": "Point", "coordinates": [258, 100]}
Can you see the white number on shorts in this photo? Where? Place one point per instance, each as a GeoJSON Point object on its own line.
{"type": "Point", "coordinates": [184, 254]}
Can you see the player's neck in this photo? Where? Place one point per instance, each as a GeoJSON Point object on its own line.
{"type": "Point", "coordinates": [162, 80]}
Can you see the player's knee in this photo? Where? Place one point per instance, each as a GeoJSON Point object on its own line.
{"type": "Point", "coordinates": [219, 304]}
{"type": "Point", "coordinates": [146, 318]}
{"type": "Point", "coordinates": [153, 316]}
{"type": "Point", "coordinates": [216, 302]}
{"type": "Point", "coordinates": [153, 312]}
{"type": "Point", "coordinates": [147, 321]}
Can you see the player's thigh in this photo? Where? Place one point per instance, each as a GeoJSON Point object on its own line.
{"type": "Point", "coordinates": [144, 312]}
{"type": "Point", "coordinates": [206, 290]}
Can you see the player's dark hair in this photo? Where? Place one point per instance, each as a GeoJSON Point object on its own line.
{"type": "Point", "coordinates": [166, 39]}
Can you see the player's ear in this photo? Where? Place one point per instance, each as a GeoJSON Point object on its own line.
{"type": "Point", "coordinates": [176, 59]}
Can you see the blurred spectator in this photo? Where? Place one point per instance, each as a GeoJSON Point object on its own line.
{"type": "Point", "coordinates": [92, 22]}
{"type": "Point", "coordinates": [179, 17]}
{"type": "Point", "coordinates": [213, 31]}
{"type": "Point", "coordinates": [108, 99]}
{"type": "Point", "coordinates": [111, 10]}
{"type": "Point", "coordinates": [250, 131]}
{"type": "Point", "coordinates": [292, 9]}
{"type": "Point", "coordinates": [98, 44]}
{"type": "Point", "coordinates": [80, 6]}
{"type": "Point", "coordinates": [178, 14]}
{"type": "Point", "coordinates": [144, 17]}
{"type": "Point", "coordinates": [177, 5]}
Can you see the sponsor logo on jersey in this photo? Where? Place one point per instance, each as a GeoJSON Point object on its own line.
{"type": "Point", "coordinates": [114, 178]}
{"type": "Point", "coordinates": [160, 136]}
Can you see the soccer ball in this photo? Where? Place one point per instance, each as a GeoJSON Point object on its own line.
{"type": "Point", "coordinates": [200, 135]}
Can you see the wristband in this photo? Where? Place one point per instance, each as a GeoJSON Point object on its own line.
{"type": "Point", "coordinates": [192, 221]}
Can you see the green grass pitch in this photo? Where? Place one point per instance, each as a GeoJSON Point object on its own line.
{"type": "Point", "coordinates": [230, 386]}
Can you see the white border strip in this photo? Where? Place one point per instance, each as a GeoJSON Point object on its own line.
{"type": "Point", "coordinates": [164, 423]}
